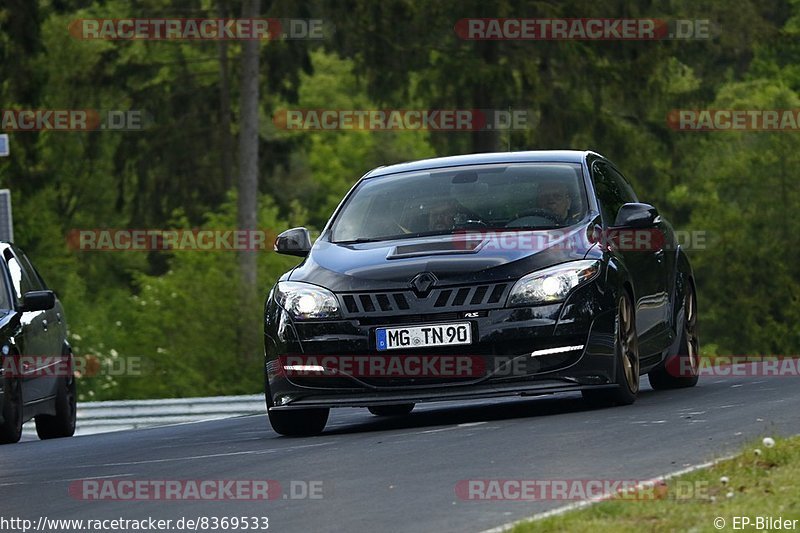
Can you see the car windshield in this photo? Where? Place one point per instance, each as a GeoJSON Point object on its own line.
{"type": "Point", "coordinates": [508, 197]}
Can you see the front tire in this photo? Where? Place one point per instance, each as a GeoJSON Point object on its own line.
{"type": "Point", "coordinates": [295, 422]}
{"type": "Point", "coordinates": [62, 424]}
{"type": "Point", "coordinates": [626, 347]}
{"type": "Point", "coordinates": [298, 422]}
{"type": "Point", "coordinates": [682, 370]}
{"type": "Point", "coordinates": [392, 410]}
{"type": "Point", "coordinates": [11, 428]}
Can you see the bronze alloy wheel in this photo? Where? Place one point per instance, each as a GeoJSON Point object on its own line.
{"type": "Point", "coordinates": [691, 339]}
{"type": "Point", "coordinates": [682, 369]}
{"type": "Point", "coordinates": [626, 337]}
{"type": "Point", "coordinates": [626, 343]}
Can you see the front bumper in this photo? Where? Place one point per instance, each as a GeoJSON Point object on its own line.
{"type": "Point", "coordinates": [503, 340]}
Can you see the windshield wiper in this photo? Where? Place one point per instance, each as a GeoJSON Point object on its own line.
{"type": "Point", "coordinates": [531, 228]}
{"type": "Point", "coordinates": [358, 241]}
{"type": "Point", "coordinates": [402, 236]}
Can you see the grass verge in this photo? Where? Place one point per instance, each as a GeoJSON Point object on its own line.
{"type": "Point", "coordinates": [760, 482]}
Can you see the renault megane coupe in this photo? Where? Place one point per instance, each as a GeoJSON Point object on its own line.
{"type": "Point", "coordinates": [477, 276]}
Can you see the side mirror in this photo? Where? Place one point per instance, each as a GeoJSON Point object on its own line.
{"type": "Point", "coordinates": [38, 301]}
{"type": "Point", "coordinates": [637, 216]}
{"type": "Point", "coordinates": [295, 241]}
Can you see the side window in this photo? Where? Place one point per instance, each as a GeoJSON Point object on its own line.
{"type": "Point", "coordinates": [19, 278]}
{"type": "Point", "coordinates": [33, 275]}
{"type": "Point", "coordinates": [627, 191]}
{"type": "Point", "coordinates": [5, 298]}
{"type": "Point", "coordinates": [612, 191]}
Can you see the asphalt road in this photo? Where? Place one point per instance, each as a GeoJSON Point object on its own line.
{"type": "Point", "coordinates": [400, 474]}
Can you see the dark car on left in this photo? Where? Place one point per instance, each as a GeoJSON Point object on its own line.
{"type": "Point", "coordinates": [37, 366]}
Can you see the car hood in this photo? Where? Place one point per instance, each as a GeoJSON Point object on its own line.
{"type": "Point", "coordinates": [463, 258]}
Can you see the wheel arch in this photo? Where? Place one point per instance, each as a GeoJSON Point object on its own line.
{"type": "Point", "coordinates": [682, 275]}
{"type": "Point", "coordinates": [619, 279]}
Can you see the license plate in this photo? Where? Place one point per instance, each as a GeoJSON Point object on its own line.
{"type": "Point", "coordinates": [422, 336]}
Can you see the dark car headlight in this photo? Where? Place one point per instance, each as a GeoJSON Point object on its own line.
{"type": "Point", "coordinates": [552, 284]}
{"type": "Point", "coordinates": [303, 300]}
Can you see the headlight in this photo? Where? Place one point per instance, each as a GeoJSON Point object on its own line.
{"type": "Point", "coordinates": [303, 300]}
{"type": "Point", "coordinates": [552, 284]}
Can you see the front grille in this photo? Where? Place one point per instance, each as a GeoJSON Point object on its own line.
{"type": "Point", "coordinates": [415, 319]}
{"type": "Point", "coordinates": [439, 300]}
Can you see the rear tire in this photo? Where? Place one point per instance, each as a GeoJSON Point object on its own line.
{"type": "Point", "coordinates": [682, 370]}
{"type": "Point", "coordinates": [62, 424]}
{"type": "Point", "coordinates": [11, 428]}
{"type": "Point", "coordinates": [626, 347]}
{"type": "Point", "coordinates": [401, 409]}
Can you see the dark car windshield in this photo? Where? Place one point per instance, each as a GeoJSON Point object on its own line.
{"type": "Point", "coordinates": [512, 196]}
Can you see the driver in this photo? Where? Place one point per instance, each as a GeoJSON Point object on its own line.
{"type": "Point", "coordinates": [443, 216]}
{"type": "Point", "coordinates": [554, 197]}
{"type": "Point", "coordinates": [437, 215]}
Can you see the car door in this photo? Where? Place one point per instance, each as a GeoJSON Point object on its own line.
{"type": "Point", "coordinates": [54, 329]}
{"type": "Point", "coordinates": [642, 252]}
{"type": "Point", "coordinates": [34, 344]}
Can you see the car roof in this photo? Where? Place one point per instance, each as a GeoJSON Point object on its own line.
{"type": "Point", "coordinates": [560, 156]}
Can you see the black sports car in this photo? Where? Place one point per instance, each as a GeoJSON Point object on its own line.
{"type": "Point", "coordinates": [477, 276]}
{"type": "Point", "coordinates": [37, 368]}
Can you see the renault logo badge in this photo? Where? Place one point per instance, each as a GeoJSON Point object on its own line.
{"type": "Point", "coordinates": [422, 283]}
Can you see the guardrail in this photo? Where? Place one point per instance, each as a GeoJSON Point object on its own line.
{"type": "Point", "coordinates": [101, 417]}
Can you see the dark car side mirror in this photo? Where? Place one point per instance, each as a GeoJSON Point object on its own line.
{"type": "Point", "coordinates": [38, 301]}
{"type": "Point", "coordinates": [635, 215]}
{"type": "Point", "coordinates": [295, 241]}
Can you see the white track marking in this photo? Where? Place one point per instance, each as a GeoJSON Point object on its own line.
{"type": "Point", "coordinates": [586, 503]}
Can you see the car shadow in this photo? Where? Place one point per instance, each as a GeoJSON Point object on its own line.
{"type": "Point", "coordinates": [465, 413]}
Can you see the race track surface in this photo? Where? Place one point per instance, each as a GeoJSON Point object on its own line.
{"type": "Point", "coordinates": [401, 474]}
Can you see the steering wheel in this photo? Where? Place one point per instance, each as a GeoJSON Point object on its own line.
{"type": "Point", "coordinates": [471, 223]}
{"type": "Point", "coordinates": [544, 213]}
